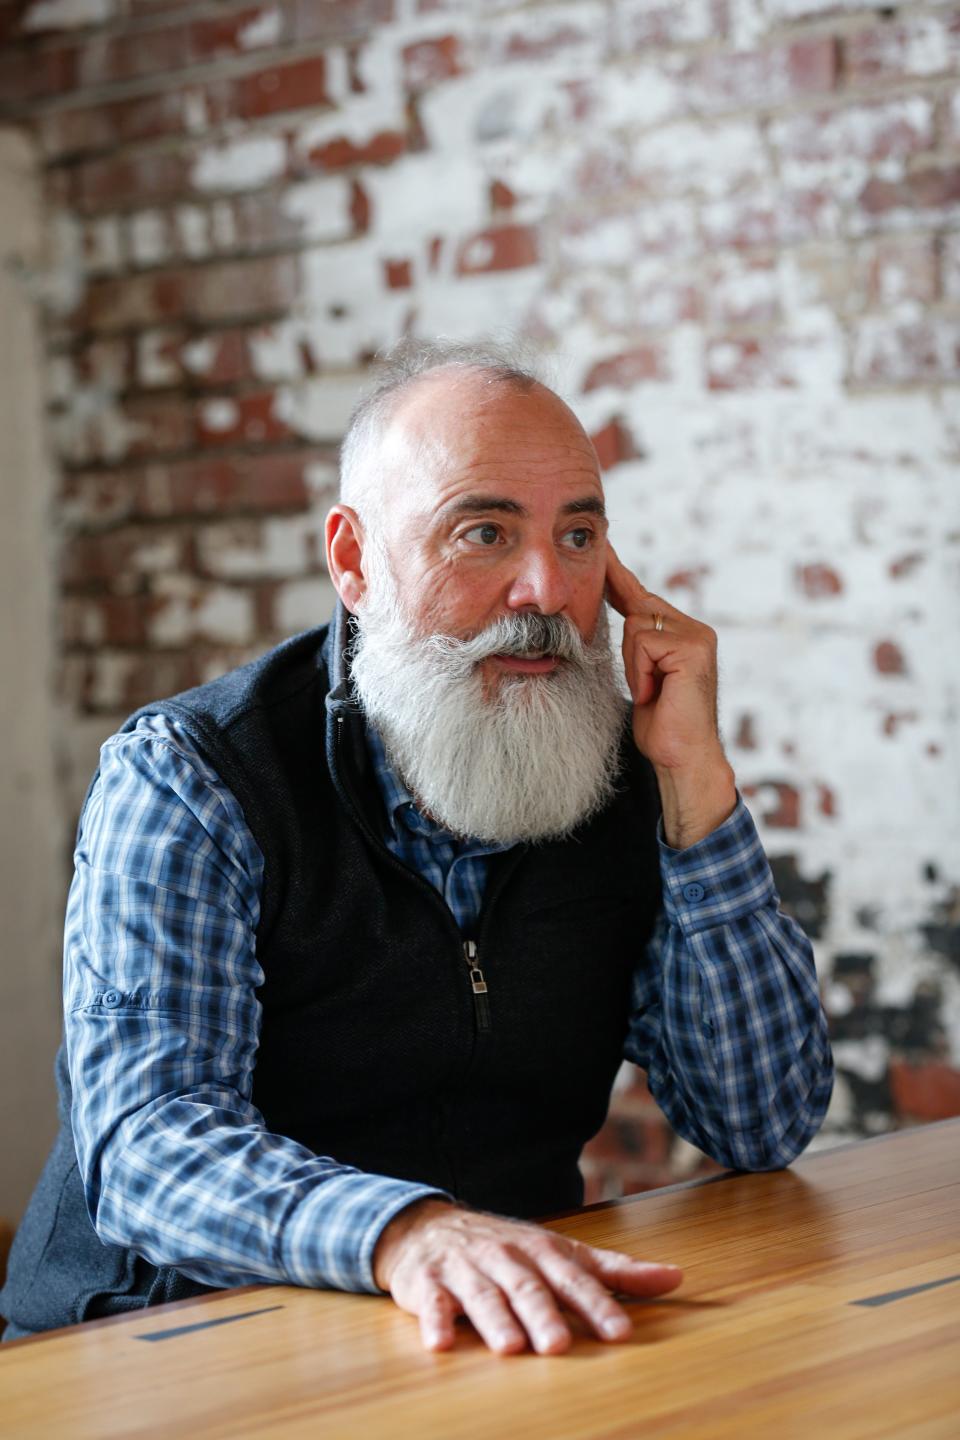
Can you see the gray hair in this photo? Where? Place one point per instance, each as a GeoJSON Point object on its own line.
{"type": "Point", "coordinates": [399, 368]}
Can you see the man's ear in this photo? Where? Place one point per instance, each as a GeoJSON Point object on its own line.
{"type": "Point", "coordinates": [344, 535]}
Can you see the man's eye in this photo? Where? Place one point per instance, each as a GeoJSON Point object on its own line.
{"type": "Point", "coordinates": [482, 535]}
{"type": "Point", "coordinates": [579, 538]}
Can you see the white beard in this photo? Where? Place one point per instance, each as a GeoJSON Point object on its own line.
{"type": "Point", "coordinates": [528, 763]}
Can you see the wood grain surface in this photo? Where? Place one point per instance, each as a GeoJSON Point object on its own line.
{"type": "Point", "coordinates": [792, 1321]}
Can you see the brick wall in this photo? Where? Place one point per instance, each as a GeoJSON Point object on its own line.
{"type": "Point", "coordinates": [732, 227]}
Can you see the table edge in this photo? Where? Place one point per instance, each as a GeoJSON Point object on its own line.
{"type": "Point", "coordinates": [194, 1301]}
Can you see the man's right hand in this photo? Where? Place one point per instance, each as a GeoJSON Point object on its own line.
{"type": "Point", "coordinates": [509, 1278]}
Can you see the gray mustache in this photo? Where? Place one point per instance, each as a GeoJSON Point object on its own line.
{"type": "Point", "coordinates": [522, 634]}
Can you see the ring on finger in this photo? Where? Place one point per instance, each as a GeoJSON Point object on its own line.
{"type": "Point", "coordinates": [657, 621]}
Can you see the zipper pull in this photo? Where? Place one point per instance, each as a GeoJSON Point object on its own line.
{"type": "Point", "coordinates": [477, 984]}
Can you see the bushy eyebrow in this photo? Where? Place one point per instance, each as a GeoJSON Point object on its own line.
{"type": "Point", "coordinates": [484, 504]}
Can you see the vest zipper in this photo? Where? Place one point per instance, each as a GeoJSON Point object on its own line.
{"type": "Point", "coordinates": [478, 984]}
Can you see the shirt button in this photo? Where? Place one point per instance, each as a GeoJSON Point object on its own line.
{"type": "Point", "coordinates": [693, 891]}
{"type": "Point", "coordinates": [112, 998]}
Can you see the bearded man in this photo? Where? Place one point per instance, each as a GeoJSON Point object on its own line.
{"type": "Point", "coordinates": [361, 932]}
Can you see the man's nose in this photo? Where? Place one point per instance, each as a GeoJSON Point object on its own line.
{"type": "Point", "coordinates": [540, 582]}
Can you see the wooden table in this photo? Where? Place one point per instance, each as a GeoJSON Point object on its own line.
{"type": "Point", "coordinates": [823, 1301]}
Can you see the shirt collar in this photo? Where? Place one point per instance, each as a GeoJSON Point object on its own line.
{"type": "Point", "coordinates": [402, 810]}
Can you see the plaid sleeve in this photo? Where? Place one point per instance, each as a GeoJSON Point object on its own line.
{"type": "Point", "coordinates": [162, 1024]}
{"type": "Point", "coordinates": [726, 1015]}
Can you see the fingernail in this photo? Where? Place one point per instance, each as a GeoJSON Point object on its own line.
{"type": "Point", "coordinates": [616, 1326]}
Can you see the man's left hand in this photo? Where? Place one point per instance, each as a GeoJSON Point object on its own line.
{"type": "Point", "coordinates": [671, 667]}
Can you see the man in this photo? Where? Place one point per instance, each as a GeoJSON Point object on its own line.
{"type": "Point", "coordinates": [364, 929]}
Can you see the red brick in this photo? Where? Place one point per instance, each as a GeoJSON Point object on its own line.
{"type": "Point", "coordinates": [162, 424]}
{"type": "Point", "coordinates": [297, 86]}
{"type": "Point", "coordinates": [109, 59]}
{"type": "Point", "coordinates": [759, 79]}
{"type": "Point", "coordinates": [890, 351]}
{"type": "Point", "coordinates": [115, 556]}
{"type": "Point", "coordinates": [888, 659]}
{"type": "Point", "coordinates": [925, 1090]}
{"type": "Point", "coordinates": [895, 129]}
{"type": "Point", "coordinates": [221, 36]}
{"type": "Point", "coordinates": [141, 678]}
{"type": "Point", "coordinates": [504, 247]}
{"type": "Point", "coordinates": [629, 368]}
{"type": "Point", "coordinates": [29, 74]}
{"type": "Point", "coordinates": [733, 363]}
{"type": "Point", "coordinates": [359, 208]}
{"type": "Point", "coordinates": [950, 266]}
{"type": "Point", "coordinates": [252, 421]}
{"type": "Point", "coordinates": [899, 269]}
{"type": "Point", "coordinates": [924, 45]}
{"type": "Point", "coordinates": [92, 501]}
{"type": "Point", "coordinates": [428, 61]}
{"type": "Point", "coordinates": [613, 443]}
{"type": "Point", "coordinates": [207, 294]}
{"type": "Point", "coordinates": [169, 112]}
{"type": "Point", "coordinates": [501, 196]}
{"type": "Point", "coordinates": [932, 189]}
{"type": "Point", "coordinates": [129, 181]}
{"type": "Point", "coordinates": [242, 484]}
{"type": "Point", "coordinates": [341, 151]}
{"type": "Point", "coordinates": [781, 810]}
{"type": "Point", "coordinates": [746, 736]}
{"type": "Point", "coordinates": [530, 36]}
{"type": "Point", "coordinates": [330, 20]}
{"type": "Point", "coordinates": [104, 620]}
{"type": "Point", "coordinates": [689, 578]}
{"type": "Point", "coordinates": [397, 274]}
{"type": "Point", "coordinates": [640, 25]}
{"type": "Point", "coordinates": [789, 215]}
{"type": "Point", "coordinates": [818, 581]}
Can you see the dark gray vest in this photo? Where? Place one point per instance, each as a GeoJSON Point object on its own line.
{"type": "Point", "coordinates": [372, 1048]}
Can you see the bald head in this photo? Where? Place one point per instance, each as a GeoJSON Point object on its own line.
{"type": "Point", "coordinates": [411, 367]}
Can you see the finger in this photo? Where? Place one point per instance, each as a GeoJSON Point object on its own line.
{"type": "Point", "coordinates": [533, 1303]}
{"type": "Point", "coordinates": [437, 1312]}
{"type": "Point", "coordinates": [639, 665]}
{"type": "Point", "coordinates": [487, 1310]}
{"type": "Point", "coordinates": [633, 1277]}
{"type": "Point", "coordinates": [587, 1297]}
{"type": "Point", "coordinates": [624, 590]}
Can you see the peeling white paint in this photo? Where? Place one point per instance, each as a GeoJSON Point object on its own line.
{"type": "Point", "coordinates": [198, 355]}
{"type": "Point", "coordinates": [318, 408]}
{"type": "Point", "coordinates": [191, 611]}
{"type": "Point", "coordinates": [148, 242]}
{"type": "Point", "coordinates": [67, 14]}
{"type": "Point", "coordinates": [155, 364]}
{"type": "Point", "coordinates": [264, 30]}
{"type": "Point", "coordinates": [243, 164]}
{"type": "Point", "coordinates": [321, 207]}
{"type": "Point", "coordinates": [304, 603]}
{"type": "Point", "coordinates": [220, 414]}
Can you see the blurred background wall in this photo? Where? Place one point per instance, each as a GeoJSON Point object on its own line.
{"type": "Point", "coordinates": [732, 230]}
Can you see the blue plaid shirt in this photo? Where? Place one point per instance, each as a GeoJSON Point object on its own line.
{"type": "Point", "coordinates": [162, 1022]}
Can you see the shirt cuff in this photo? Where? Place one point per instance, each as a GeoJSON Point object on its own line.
{"type": "Point", "coordinates": [330, 1238]}
{"type": "Point", "coordinates": [724, 877]}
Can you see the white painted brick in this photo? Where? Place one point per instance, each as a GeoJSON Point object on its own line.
{"type": "Point", "coordinates": [191, 612]}
{"type": "Point", "coordinates": [243, 164]}
{"type": "Point", "coordinates": [271, 549]}
{"type": "Point", "coordinates": [303, 603]}
{"type": "Point", "coordinates": [67, 14]}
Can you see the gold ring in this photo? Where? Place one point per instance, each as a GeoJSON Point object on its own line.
{"type": "Point", "coordinates": [658, 621]}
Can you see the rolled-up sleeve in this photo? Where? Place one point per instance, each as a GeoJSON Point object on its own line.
{"type": "Point", "coordinates": [162, 1024]}
{"type": "Point", "coordinates": [726, 1015]}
